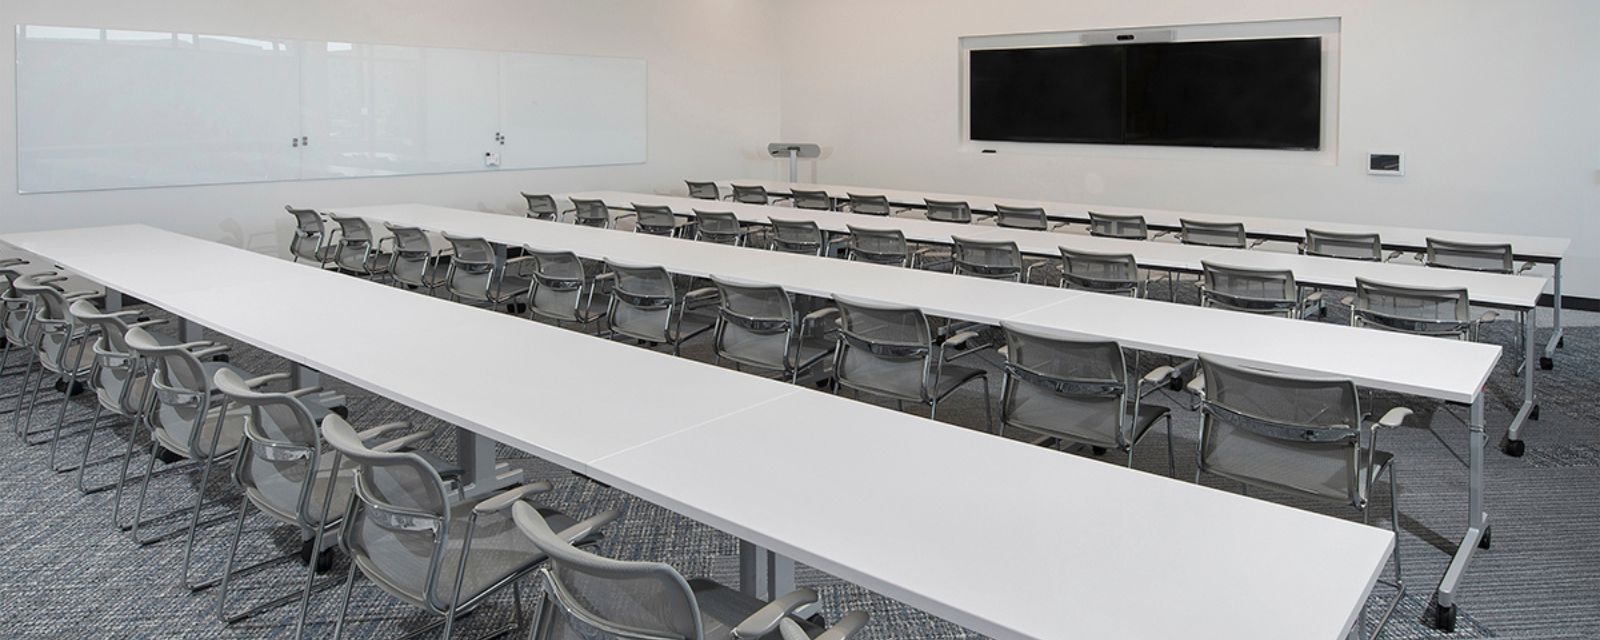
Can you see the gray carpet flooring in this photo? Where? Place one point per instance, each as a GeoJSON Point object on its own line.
{"type": "Point", "coordinates": [68, 573]}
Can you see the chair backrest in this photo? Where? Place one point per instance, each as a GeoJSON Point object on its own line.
{"type": "Point", "coordinates": [878, 246]}
{"type": "Point", "coordinates": [281, 453]}
{"type": "Point", "coordinates": [1212, 234]}
{"type": "Point", "coordinates": [1021, 217]}
{"type": "Point", "coordinates": [17, 307]}
{"type": "Point", "coordinates": [704, 190]}
{"type": "Point", "coordinates": [654, 219]}
{"type": "Point", "coordinates": [1263, 291]}
{"type": "Point", "coordinates": [1288, 433]}
{"type": "Point", "coordinates": [1067, 387]}
{"type": "Point", "coordinates": [721, 227]}
{"type": "Point", "coordinates": [870, 205]}
{"type": "Point", "coordinates": [755, 324]}
{"type": "Point", "coordinates": [1419, 310]}
{"type": "Point", "coordinates": [179, 387]}
{"type": "Point", "coordinates": [884, 349]}
{"type": "Point", "coordinates": [542, 206]}
{"type": "Point", "coordinates": [558, 281]}
{"type": "Point", "coordinates": [948, 211]}
{"type": "Point", "coordinates": [1125, 227]}
{"type": "Point", "coordinates": [413, 254]}
{"type": "Point", "coordinates": [997, 260]}
{"type": "Point", "coordinates": [1116, 273]}
{"type": "Point", "coordinates": [1494, 258]}
{"type": "Point", "coordinates": [356, 243]}
{"type": "Point", "coordinates": [1349, 246]}
{"type": "Point", "coordinates": [309, 234]}
{"type": "Point", "coordinates": [598, 597]}
{"type": "Point", "coordinates": [795, 236]}
{"type": "Point", "coordinates": [813, 200]}
{"type": "Point", "coordinates": [473, 267]}
{"type": "Point", "coordinates": [116, 368]}
{"type": "Point", "coordinates": [398, 522]}
{"type": "Point", "coordinates": [747, 194]}
{"type": "Point", "coordinates": [591, 213]}
{"type": "Point", "coordinates": [53, 331]}
{"type": "Point", "coordinates": [642, 301]}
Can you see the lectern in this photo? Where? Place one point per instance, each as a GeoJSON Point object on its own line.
{"type": "Point", "coordinates": [794, 151]}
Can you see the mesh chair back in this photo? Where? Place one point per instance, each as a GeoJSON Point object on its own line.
{"type": "Point", "coordinates": [642, 300]}
{"type": "Point", "coordinates": [17, 307]}
{"type": "Point", "coordinates": [180, 386]}
{"type": "Point", "coordinates": [55, 335]}
{"type": "Point", "coordinates": [655, 220]}
{"type": "Point", "coordinates": [1021, 217]}
{"type": "Point", "coordinates": [541, 206]}
{"type": "Point", "coordinates": [879, 246]}
{"type": "Point", "coordinates": [755, 324]}
{"type": "Point", "coordinates": [703, 190]}
{"type": "Point", "coordinates": [885, 350]}
{"type": "Point", "coordinates": [1289, 433]}
{"type": "Point", "coordinates": [1125, 227]}
{"type": "Point", "coordinates": [869, 205]}
{"type": "Point", "coordinates": [795, 236]}
{"type": "Point", "coordinates": [356, 243]}
{"type": "Point", "coordinates": [1071, 388]}
{"type": "Point", "coordinates": [948, 211]}
{"type": "Point", "coordinates": [309, 233]}
{"type": "Point", "coordinates": [279, 460]}
{"type": "Point", "coordinates": [986, 259]}
{"type": "Point", "coordinates": [591, 213]}
{"type": "Point", "coordinates": [398, 524]}
{"type": "Point", "coordinates": [116, 380]}
{"type": "Point", "coordinates": [813, 200]}
{"type": "Point", "coordinates": [558, 280]}
{"type": "Point", "coordinates": [721, 227]}
{"type": "Point", "coordinates": [1115, 273]}
{"type": "Point", "coordinates": [473, 267]}
{"type": "Point", "coordinates": [596, 597]}
{"type": "Point", "coordinates": [1263, 291]}
{"type": "Point", "coordinates": [1494, 258]}
{"type": "Point", "coordinates": [1212, 234]}
{"type": "Point", "coordinates": [1425, 311]}
{"type": "Point", "coordinates": [746, 194]}
{"type": "Point", "coordinates": [413, 255]}
{"type": "Point", "coordinates": [1350, 246]}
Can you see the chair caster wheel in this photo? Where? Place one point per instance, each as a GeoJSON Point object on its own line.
{"type": "Point", "coordinates": [341, 411]}
{"type": "Point", "coordinates": [1441, 617]}
{"type": "Point", "coordinates": [1561, 343]}
{"type": "Point", "coordinates": [166, 456]}
{"type": "Point", "coordinates": [1488, 535]}
{"type": "Point", "coordinates": [69, 388]}
{"type": "Point", "coordinates": [1546, 363]}
{"type": "Point", "coordinates": [1514, 448]}
{"type": "Point", "coordinates": [1534, 413]}
{"type": "Point", "coordinates": [1099, 451]}
{"type": "Point", "coordinates": [324, 559]}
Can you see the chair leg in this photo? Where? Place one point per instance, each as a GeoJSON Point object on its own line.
{"type": "Point", "coordinates": [988, 405]}
{"type": "Point", "coordinates": [194, 528]}
{"type": "Point", "coordinates": [344, 604]}
{"type": "Point", "coordinates": [88, 444]}
{"type": "Point", "coordinates": [22, 394]}
{"type": "Point", "coordinates": [233, 553]}
{"type": "Point", "coordinates": [1172, 459]}
{"type": "Point", "coordinates": [144, 488]}
{"type": "Point", "coordinates": [122, 478]}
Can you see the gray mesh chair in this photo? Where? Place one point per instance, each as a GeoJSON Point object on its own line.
{"type": "Point", "coordinates": [720, 227]}
{"type": "Point", "coordinates": [658, 220]}
{"type": "Point", "coordinates": [1033, 218]}
{"type": "Point", "coordinates": [543, 207]}
{"type": "Point", "coordinates": [1302, 436]}
{"type": "Point", "coordinates": [889, 351]}
{"type": "Point", "coordinates": [1347, 246]}
{"type": "Point", "coordinates": [703, 190]}
{"type": "Point", "coordinates": [414, 263]}
{"type": "Point", "coordinates": [1270, 292]}
{"type": "Point", "coordinates": [751, 194]}
{"type": "Point", "coordinates": [1416, 310]}
{"type": "Point", "coordinates": [948, 211]}
{"type": "Point", "coordinates": [594, 213]}
{"type": "Point", "coordinates": [813, 200]}
{"type": "Point", "coordinates": [1079, 391]}
{"type": "Point", "coordinates": [479, 276]}
{"type": "Point", "coordinates": [1123, 227]}
{"type": "Point", "coordinates": [996, 260]}
{"type": "Point", "coordinates": [587, 597]}
{"type": "Point", "coordinates": [870, 205]}
{"type": "Point", "coordinates": [563, 287]}
{"type": "Point", "coordinates": [117, 379]}
{"type": "Point", "coordinates": [757, 326]}
{"type": "Point", "coordinates": [21, 335]}
{"type": "Point", "coordinates": [645, 305]}
{"type": "Point", "coordinates": [359, 251]}
{"type": "Point", "coordinates": [1227, 235]}
{"type": "Point", "coordinates": [1468, 256]}
{"type": "Point", "coordinates": [1114, 273]}
{"type": "Point", "coordinates": [59, 347]}
{"type": "Point", "coordinates": [796, 236]}
{"type": "Point", "coordinates": [882, 246]}
{"type": "Point", "coordinates": [311, 240]}
{"type": "Point", "coordinates": [405, 532]}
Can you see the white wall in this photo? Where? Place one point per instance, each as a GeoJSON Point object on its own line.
{"type": "Point", "coordinates": [712, 100]}
{"type": "Point", "coordinates": [1496, 105]}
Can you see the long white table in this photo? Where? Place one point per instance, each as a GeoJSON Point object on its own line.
{"type": "Point", "coordinates": [1157, 558]}
{"type": "Point", "coordinates": [1440, 369]}
{"type": "Point", "coordinates": [1542, 249]}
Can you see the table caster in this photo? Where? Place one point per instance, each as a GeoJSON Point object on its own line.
{"type": "Point", "coordinates": [1514, 448]}
{"type": "Point", "coordinates": [1443, 618]}
{"type": "Point", "coordinates": [1483, 542]}
{"type": "Point", "coordinates": [1561, 343]}
{"type": "Point", "coordinates": [1546, 363]}
{"type": "Point", "coordinates": [341, 411]}
{"type": "Point", "coordinates": [1099, 451]}
{"type": "Point", "coordinates": [1534, 414]}
{"type": "Point", "coordinates": [324, 559]}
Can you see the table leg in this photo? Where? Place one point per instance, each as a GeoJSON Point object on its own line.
{"type": "Point", "coordinates": [113, 301]}
{"type": "Point", "coordinates": [189, 331]}
{"type": "Point", "coordinates": [483, 475]}
{"type": "Point", "coordinates": [1443, 608]}
{"type": "Point", "coordinates": [764, 574]}
{"type": "Point", "coordinates": [1548, 361]}
{"type": "Point", "coordinates": [1530, 403]}
{"type": "Point", "coordinates": [302, 376]}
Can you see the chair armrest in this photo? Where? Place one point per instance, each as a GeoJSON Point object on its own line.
{"type": "Point", "coordinates": [1256, 243]}
{"type": "Point", "coordinates": [381, 429]}
{"type": "Point", "coordinates": [403, 442]}
{"type": "Point", "coordinates": [609, 275]}
{"type": "Point", "coordinates": [195, 345]}
{"type": "Point", "coordinates": [621, 216]}
{"type": "Point", "coordinates": [1197, 385]}
{"type": "Point", "coordinates": [1488, 316]}
{"type": "Point", "coordinates": [148, 323]}
{"type": "Point", "coordinates": [504, 499]}
{"type": "Point", "coordinates": [125, 313]}
{"type": "Point", "coordinates": [1392, 255]}
{"type": "Point", "coordinates": [1159, 234]}
{"type": "Point", "coordinates": [47, 277]}
{"type": "Point", "coordinates": [847, 626]}
{"type": "Point", "coordinates": [211, 351]}
{"type": "Point", "coordinates": [522, 258]}
{"type": "Point", "coordinates": [1314, 296]}
{"type": "Point", "coordinates": [588, 526]}
{"type": "Point", "coordinates": [1348, 301]}
{"type": "Point", "coordinates": [704, 292]}
{"type": "Point", "coordinates": [960, 338]}
{"type": "Point", "coordinates": [765, 620]}
{"type": "Point", "coordinates": [1525, 267]}
{"type": "Point", "coordinates": [304, 391]}
{"type": "Point", "coordinates": [1393, 418]}
{"type": "Point", "coordinates": [12, 262]}
{"type": "Point", "coordinates": [271, 377]}
{"type": "Point", "coordinates": [1057, 225]}
{"type": "Point", "coordinates": [83, 295]}
{"type": "Point", "coordinates": [1158, 376]}
{"type": "Point", "coordinates": [820, 314]}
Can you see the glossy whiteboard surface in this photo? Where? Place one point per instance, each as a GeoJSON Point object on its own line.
{"type": "Point", "coordinates": [107, 109]}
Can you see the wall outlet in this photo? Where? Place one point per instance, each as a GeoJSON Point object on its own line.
{"type": "Point", "coordinates": [491, 159]}
{"type": "Point", "coordinates": [1386, 163]}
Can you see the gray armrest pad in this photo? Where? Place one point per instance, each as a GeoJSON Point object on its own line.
{"type": "Point", "coordinates": [402, 442]}
{"type": "Point", "coordinates": [1489, 316]}
{"type": "Point", "coordinates": [266, 379]}
{"type": "Point", "coordinates": [765, 620]}
{"type": "Point", "coordinates": [705, 292]}
{"type": "Point", "coordinates": [588, 526]}
{"type": "Point", "coordinates": [847, 626]}
{"type": "Point", "coordinates": [383, 429]}
{"type": "Point", "coordinates": [505, 499]}
{"type": "Point", "coordinates": [1394, 417]}
{"type": "Point", "coordinates": [1159, 375]}
{"type": "Point", "coordinates": [821, 313]}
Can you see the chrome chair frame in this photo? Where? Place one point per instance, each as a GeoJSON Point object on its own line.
{"type": "Point", "coordinates": [933, 358]}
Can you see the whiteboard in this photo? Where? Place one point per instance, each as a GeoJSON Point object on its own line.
{"type": "Point", "coordinates": [105, 109]}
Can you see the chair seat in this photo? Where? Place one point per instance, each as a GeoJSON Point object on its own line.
{"type": "Point", "coordinates": [810, 351]}
{"type": "Point", "coordinates": [722, 609]}
{"type": "Point", "coordinates": [953, 376]}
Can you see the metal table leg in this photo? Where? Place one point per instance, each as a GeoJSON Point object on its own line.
{"type": "Point", "coordinates": [483, 475]}
{"type": "Point", "coordinates": [302, 376]}
{"type": "Point", "coordinates": [1530, 402]}
{"type": "Point", "coordinates": [1548, 361]}
{"type": "Point", "coordinates": [113, 301]}
{"type": "Point", "coordinates": [766, 575]}
{"type": "Point", "coordinates": [1443, 608]}
{"type": "Point", "coordinates": [189, 331]}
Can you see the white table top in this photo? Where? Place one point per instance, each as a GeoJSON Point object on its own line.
{"type": "Point", "coordinates": [1514, 291]}
{"type": "Point", "coordinates": [1540, 247]}
{"type": "Point", "coordinates": [1440, 369]}
{"type": "Point", "coordinates": [874, 496]}
{"type": "Point", "coordinates": [995, 554]}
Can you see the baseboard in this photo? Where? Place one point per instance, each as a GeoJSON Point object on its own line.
{"type": "Point", "coordinates": [1571, 302]}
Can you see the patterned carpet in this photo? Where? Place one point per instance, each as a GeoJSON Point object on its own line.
{"type": "Point", "coordinates": [69, 574]}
